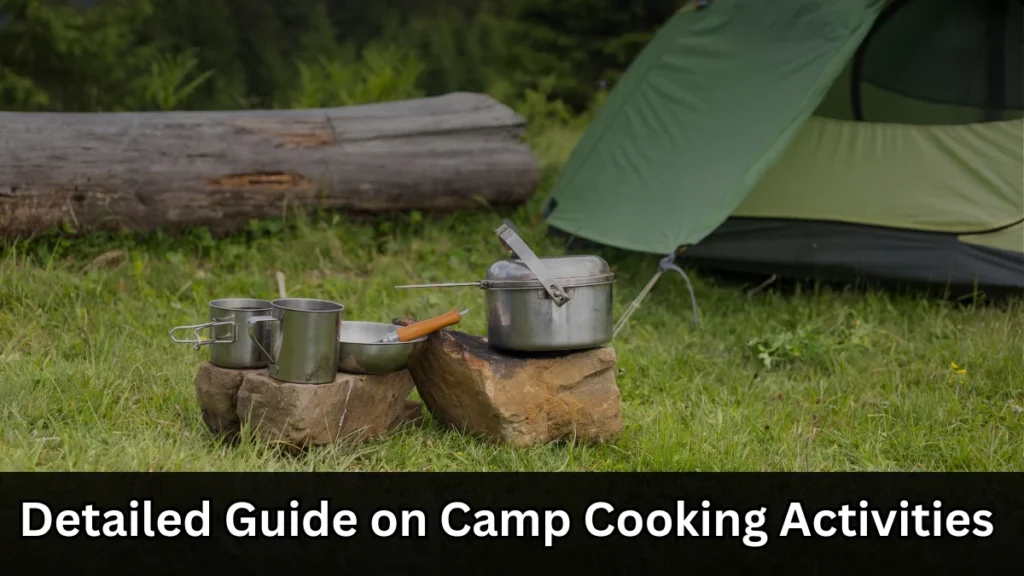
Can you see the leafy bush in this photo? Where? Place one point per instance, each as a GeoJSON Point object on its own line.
{"type": "Point", "coordinates": [457, 49]}
{"type": "Point", "coordinates": [171, 81]}
{"type": "Point", "coordinates": [583, 44]}
{"type": "Point", "coordinates": [549, 59]}
{"type": "Point", "coordinates": [59, 57]}
{"type": "Point", "coordinates": [383, 74]}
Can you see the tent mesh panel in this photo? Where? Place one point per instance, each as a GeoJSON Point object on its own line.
{"type": "Point", "coordinates": [951, 53]}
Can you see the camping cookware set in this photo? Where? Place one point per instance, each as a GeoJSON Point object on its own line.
{"type": "Point", "coordinates": [304, 340]}
{"type": "Point", "coordinates": [533, 305]}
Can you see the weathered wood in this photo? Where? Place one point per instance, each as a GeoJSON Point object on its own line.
{"type": "Point", "coordinates": [172, 170]}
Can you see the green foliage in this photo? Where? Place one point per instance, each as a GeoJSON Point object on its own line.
{"type": "Point", "coordinates": [818, 341]}
{"type": "Point", "coordinates": [59, 57]}
{"type": "Point", "coordinates": [580, 43]}
{"type": "Point", "coordinates": [168, 85]}
{"type": "Point", "coordinates": [459, 50]}
{"type": "Point", "coordinates": [212, 30]}
{"type": "Point", "coordinates": [22, 92]}
{"type": "Point", "coordinates": [541, 109]}
{"type": "Point", "coordinates": [383, 74]}
{"type": "Point", "coordinates": [223, 54]}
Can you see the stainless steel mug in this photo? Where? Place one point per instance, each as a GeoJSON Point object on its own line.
{"type": "Point", "coordinates": [232, 344]}
{"type": "Point", "coordinates": [303, 339]}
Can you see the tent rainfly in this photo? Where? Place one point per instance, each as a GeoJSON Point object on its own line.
{"type": "Point", "coordinates": [825, 138]}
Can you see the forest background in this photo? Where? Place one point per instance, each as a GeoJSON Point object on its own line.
{"type": "Point", "coordinates": [548, 59]}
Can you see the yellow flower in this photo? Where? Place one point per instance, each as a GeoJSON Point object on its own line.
{"type": "Point", "coordinates": [957, 370]}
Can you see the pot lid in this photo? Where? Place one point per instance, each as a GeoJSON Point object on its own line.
{"type": "Point", "coordinates": [566, 270]}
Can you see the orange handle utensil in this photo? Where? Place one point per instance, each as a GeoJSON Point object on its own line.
{"type": "Point", "coordinates": [424, 327]}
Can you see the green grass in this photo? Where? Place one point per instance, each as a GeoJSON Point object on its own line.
{"type": "Point", "coordinates": [818, 379]}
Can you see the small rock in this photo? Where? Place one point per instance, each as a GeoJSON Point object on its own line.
{"type": "Point", "coordinates": [524, 400]}
{"type": "Point", "coordinates": [353, 406]}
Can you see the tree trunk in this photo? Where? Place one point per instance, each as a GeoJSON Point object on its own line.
{"type": "Point", "coordinates": [173, 170]}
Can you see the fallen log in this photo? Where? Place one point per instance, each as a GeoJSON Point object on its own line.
{"type": "Point", "coordinates": [174, 170]}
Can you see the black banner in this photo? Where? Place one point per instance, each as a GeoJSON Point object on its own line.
{"type": "Point", "coordinates": [624, 523]}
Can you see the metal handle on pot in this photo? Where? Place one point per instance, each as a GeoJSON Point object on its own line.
{"type": "Point", "coordinates": [515, 246]}
{"type": "Point", "coordinates": [196, 328]}
{"type": "Point", "coordinates": [251, 325]}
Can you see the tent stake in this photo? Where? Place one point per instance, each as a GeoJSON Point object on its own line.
{"type": "Point", "coordinates": [666, 263]}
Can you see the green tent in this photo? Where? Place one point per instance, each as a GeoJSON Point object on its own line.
{"type": "Point", "coordinates": [819, 138]}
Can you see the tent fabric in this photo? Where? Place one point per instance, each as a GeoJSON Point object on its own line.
{"type": "Point", "coordinates": [708, 106]}
{"type": "Point", "coordinates": [949, 51]}
{"type": "Point", "coordinates": [937, 62]}
{"type": "Point", "coordinates": [840, 251]}
{"type": "Point", "coordinates": [952, 178]}
{"type": "Point", "coordinates": [1009, 239]}
{"type": "Point", "coordinates": [881, 105]}
{"type": "Point", "coordinates": [846, 137]}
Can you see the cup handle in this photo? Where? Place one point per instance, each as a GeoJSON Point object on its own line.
{"type": "Point", "coordinates": [251, 325]}
{"type": "Point", "coordinates": [230, 339]}
{"type": "Point", "coordinates": [195, 330]}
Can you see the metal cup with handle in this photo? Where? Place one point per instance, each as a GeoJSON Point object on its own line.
{"type": "Point", "coordinates": [231, 344]}
{"type": "Point", "coordinates": [303, 339]}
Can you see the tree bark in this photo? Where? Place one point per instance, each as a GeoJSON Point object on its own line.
{"type": "Point", "coordinates": [174, 170]}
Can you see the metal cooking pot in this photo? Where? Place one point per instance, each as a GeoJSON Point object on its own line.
{"type": "Point", "coordinates": [544, 304]}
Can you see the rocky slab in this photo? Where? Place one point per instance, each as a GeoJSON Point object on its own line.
{"type": "Point", "coordinates": [217, 391]}
{"type": "Point", "coordinates": [522, 400]}
{"type": "Point", "coordinates": [353, 407]}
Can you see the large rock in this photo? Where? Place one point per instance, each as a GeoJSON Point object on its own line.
{"type": "Point", "coordinates": [352, 407]}
{"type": "Point", "coordinates": [522, 400]}
{"type": "Point", "coordinates": [216, 391]}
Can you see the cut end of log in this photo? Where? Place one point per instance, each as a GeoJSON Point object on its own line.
{"type": "Point", "coordinates": [271, 180]}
